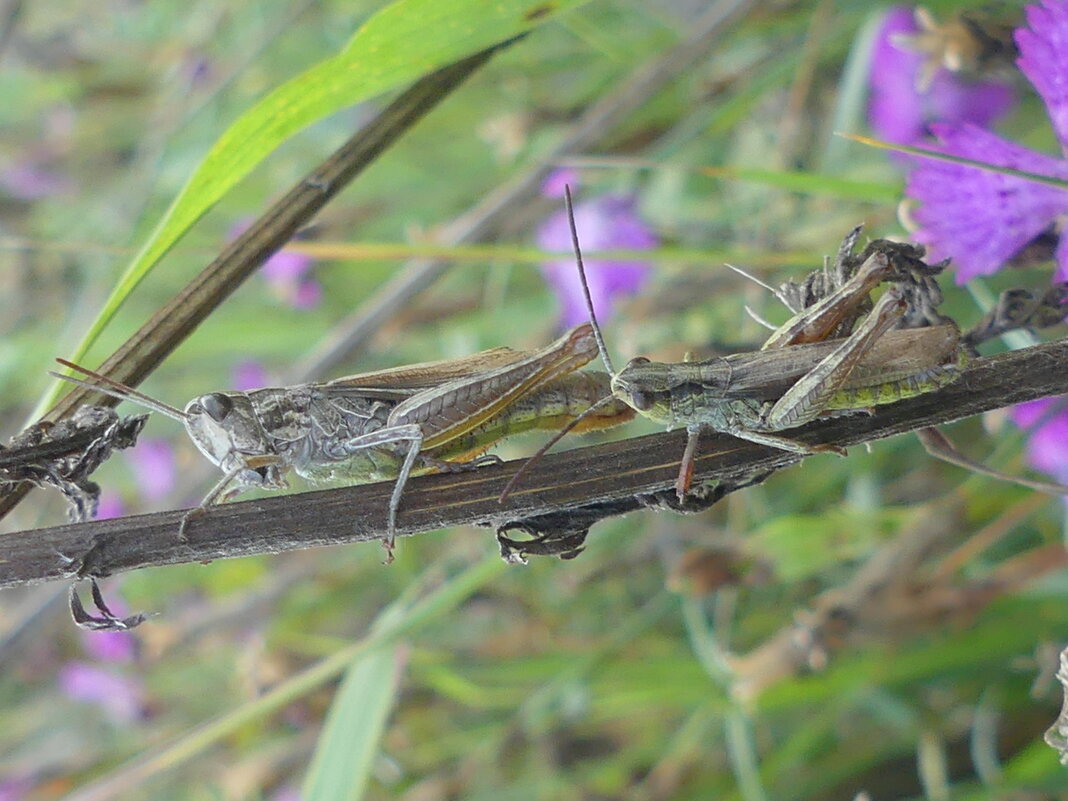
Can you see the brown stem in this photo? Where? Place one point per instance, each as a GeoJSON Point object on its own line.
{"type": "Point", "coordinates": [601, 477]}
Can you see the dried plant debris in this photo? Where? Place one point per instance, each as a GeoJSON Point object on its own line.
{"type": "Point", "coordinates": [563, 534]}
{"type": "Point", "coordinates": [914, 277]}
{"type": "Point", "coordinates": [106, 620]}
{"type": "Point", "coordinates": [1021, 308]}
{"type": "Point", "coordinates": [64, 454]}
{"type": "Point", "coordinates": [1015, 308]}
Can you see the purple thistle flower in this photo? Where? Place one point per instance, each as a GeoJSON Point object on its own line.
{"type": "Point", "coordinates": [900, 111]}
{"type": "Point", "coordinates": [287, 274]}
{"type": "Point", "coordinates": [248, 375]}
{"type": "Point", "coordinates": [608, 222]}
{"type": "Point", "coordinates": [197, 70]}
{"type": "Point", "coordinates": [155, 470]}
{"type": "Point", "coordinates": [981, 219]}
{"type": "Point", "coordinates": [285, 267]}
{"type": "Point", "coordinates": [118, 647]}
{"type": "Point", "coordinates": [14, 789]}
{"type": "Point", "coordinates": [553, 185]}
{"type": "Point", "coordinates": [120, 697]}
{"type": "Point", "coordinates": [111, 505]}
{"type": "Point", "coordinates": [31, 181]}
{"type": "Point", "coordinates": [287, 792]}
{"type": "Point", "coordinates": [111, 646]}
{"type": "Point", "coordinates": [307, 294]}
{"type": "Point", "coordinates": [1047, 443]}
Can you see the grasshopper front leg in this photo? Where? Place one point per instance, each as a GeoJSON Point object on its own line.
{"type": "Point", "coordinates": [224, 488]}
{"type": "Point", "coordinates": [411, 437]}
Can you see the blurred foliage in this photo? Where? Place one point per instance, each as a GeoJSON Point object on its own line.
{"type": "Point", "coordinates": [561, 680]}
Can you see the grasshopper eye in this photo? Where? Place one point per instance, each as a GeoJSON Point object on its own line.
{"type": "Point", "coordinates": [217, 405]}
{"type": "Point", "coordinates": [641, 401]}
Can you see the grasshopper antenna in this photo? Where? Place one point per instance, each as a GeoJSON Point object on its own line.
{"type": "Point", "coordinates": [544, 449]}
{"type": "Point", "coordinates": [585, 284]}
{"type": "Point", "coordinates": [600, 347]}
{"type": "Point", "coordinates": [758, 319]}
{"type": "Point", "coordinates": [777, 293]}
{"type": "Point", "coordinates": [115, 389]}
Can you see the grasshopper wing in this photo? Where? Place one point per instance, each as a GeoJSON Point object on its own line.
{"type": "Point", "coordinates": [458, 407]}
{"type": "Point", "coordinates": [767, 374]}
{"type": "Point", "coordinates": [398, 383]}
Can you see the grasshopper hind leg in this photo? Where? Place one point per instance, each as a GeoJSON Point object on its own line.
{"type": "Point", "coordinates": [785, 443]}
{"type": "Point", "coordinates": [686, 466]}
{"type": "Point", "coordinates": [684, 481]}
{"type": "Point", "coordinates": [413, 435]}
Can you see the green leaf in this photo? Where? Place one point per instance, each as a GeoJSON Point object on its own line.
{"type": "Point", "coordinates": [1035, 177]}
{"type": "Point", "coordinates": [350, 739]}
{"type": "Point", "coordinates": [811, 183]}
{"type": "Point", "coordinates": [396, 46]}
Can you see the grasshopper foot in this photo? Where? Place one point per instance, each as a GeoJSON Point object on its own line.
{"type": "Point", "coordinates": [190, 515]}
{"type": "Point", "coordinates": [388, 542]}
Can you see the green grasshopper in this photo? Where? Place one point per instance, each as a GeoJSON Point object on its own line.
{"type": "Point", "coordinates": [388, 424]}
{"type": "Point", "coordinates": [799, 375]}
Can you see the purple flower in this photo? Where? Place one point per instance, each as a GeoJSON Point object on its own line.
{"type": "Point", "coordinates": [608, 222]}
{"type": "Point", "coordinates": [14, 789]}
{"type": "Point", "coordinates": [287, 274]}
{"type": "Point", "coordinates": [120, 697]}
{"type": "Point", "coordinates": [307, 294]}
{"type": "Point", "coordinates": [31, 181]}
{"type": "Point", "coordinates": [900, 107]}
{"type": "Point", "coordinates": [197, 70]}
{"type": "Point", "coordinates": [553, 185]}
{"type": "Point", "coordinates": [1047, 444]}
{"type": "Point", "coordinates": [111, 646]}
{"type": "Point", "coordinates": [981, 219]}
{"type": "Point", "coordinates": [110, 505]}
{"type": "Point", "coordinates": [287, 792]}
{"type": "Point", "coordinates": [248, 375]}
{"type": "Point", "coordinates": [285, 267]}
{"type": "Point", "coordinates": [152, 460]}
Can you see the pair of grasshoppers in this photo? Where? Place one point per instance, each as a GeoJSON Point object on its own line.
{"type": "Point", "coordinates": [839, 354]}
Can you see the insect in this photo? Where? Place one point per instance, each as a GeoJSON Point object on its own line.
{"type": "Point", "coordinates": [974, 42]}
{"type": "Point", "coordinates": [799, 375]}
{"type": "Point", "coordinates": [388, 424]}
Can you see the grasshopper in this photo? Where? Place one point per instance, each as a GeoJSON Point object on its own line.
{"type": "Point", "coordinates": [388, 424]}
{"type": "Point", "coordinates": [799, 375]}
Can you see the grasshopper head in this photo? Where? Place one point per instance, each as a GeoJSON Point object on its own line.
{"type": "Point", "coordinates": [226, 429]}
{"type": "Point", "coordinates": [645, 386]}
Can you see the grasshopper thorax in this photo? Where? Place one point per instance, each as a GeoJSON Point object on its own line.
{"type": "Point", "coordinates": [227, 430]}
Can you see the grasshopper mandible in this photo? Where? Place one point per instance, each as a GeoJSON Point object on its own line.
{"type": "Point", "coordinates": [799, 375]}
{"type": "Point", "coordinates": [388, 424]}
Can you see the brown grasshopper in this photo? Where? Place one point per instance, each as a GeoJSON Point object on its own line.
{"type": "Point", "coordinates": [388, 424]}
{"type": "Point", "coordinates": [800, 374]}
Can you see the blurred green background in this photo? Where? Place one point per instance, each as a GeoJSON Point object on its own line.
{"type": "Point", "coordinates": [670, 660]}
